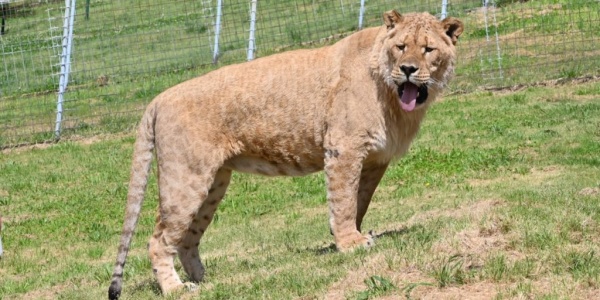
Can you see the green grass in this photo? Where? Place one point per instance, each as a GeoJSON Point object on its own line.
{"type": "Point", "coordinates": [498, 198]}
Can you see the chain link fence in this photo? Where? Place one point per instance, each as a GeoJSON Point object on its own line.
{"type": "Point", "coordinates": [123, 53]}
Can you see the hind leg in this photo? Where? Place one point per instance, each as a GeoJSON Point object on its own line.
{"type": "Point", "coordinates": [188, 250]}
{"type": "Point", "coordinates": [182, 192]}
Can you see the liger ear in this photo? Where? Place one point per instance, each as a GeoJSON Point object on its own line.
{"type": "Point", "coordinates": [453, 28]}
{"type": "Point", "coordinates": [391, 18]}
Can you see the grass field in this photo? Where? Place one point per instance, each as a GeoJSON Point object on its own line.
{"type": "Point", "coordinates": [141, 47]}
{"type": "Point", "coordinates": [497, 199]}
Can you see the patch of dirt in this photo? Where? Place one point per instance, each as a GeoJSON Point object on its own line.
{"type": "Point", "coordinates": [488, 235]}
{"type": "Point", "coordinates": [589, 191]}
{"type": "Point", "coordinates": [475, 245]}
{"type": "Point", "coordinates": [490, 290]}
{"type": "Point", "coordinates": [473, 210]}
{"type": "Point", "coordinates": [566, 288]}
{"type": "Point", "coordinates": [478, 290]}
{"type": "Point", "coordinates": [424, 286]}
{"type": "Point", "coordinates": [546, 83]}
{"type": "Point", "coordinates": [539, 11]}
{"type": "Point", "coordinates": [470, 243]}
{"type": "Point", "coordinates": [23, 148]}
{"type": "Point", "coordinates": [355, 279]}
{"type": "Point", "coordinates": [89, 140]}
{"type": "Point", "coordinates": [534, 177]}
{"type": "Point", "coordinates": [320, 42]}
{"type": "Point", "coordinates": [83, 140]}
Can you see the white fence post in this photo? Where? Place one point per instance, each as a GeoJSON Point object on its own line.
{"type": "Point", "coordinates": [217, 31]}
{"type": "Point", "coordinates": [361, 14]}
{"type": "Point", "coordinates": [498, 54]}
{"type": "Point", "coordinates": [65, 62]}
{"type": "Point", "coordinates": [444, 9]}
{"type": "Point", "coordinates": [251, 44]}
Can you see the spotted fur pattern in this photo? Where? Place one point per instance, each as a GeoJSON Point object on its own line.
{"type": "Point", "coordinates": [334, 109]}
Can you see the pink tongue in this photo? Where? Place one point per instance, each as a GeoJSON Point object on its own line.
{"type": "Point", "coordinates": [409, 96]}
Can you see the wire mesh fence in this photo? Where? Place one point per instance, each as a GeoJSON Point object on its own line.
{"type": "Point", "coordinates": [123, 53]}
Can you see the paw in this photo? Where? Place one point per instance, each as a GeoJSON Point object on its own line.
{"type": "Point", "coordinates": [358, 240]}
{"type": "Point", "coordinates": [190, 286]}
{"type": "Point", "coordinates": [370, 239]}
{"type": "Point", "coordinates": [183, 291]}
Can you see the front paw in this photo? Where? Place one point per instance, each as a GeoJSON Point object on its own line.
{"type": "Point", "coordinates": [350, 242]}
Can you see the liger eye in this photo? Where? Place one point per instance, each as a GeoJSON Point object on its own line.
{"type": "Point", "coordinates": [429, 49]}
{"type": "Point", "coordinates": [401, 47]}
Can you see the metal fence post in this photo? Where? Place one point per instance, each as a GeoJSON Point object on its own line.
{"type": "Point", "coordinates": [4, 7]}
{"type": "Point", "coordinates": [65, 62]}
{"type": "Point", "coordinates": [361, 14]}
{"type": "Point", "coordinates": [499, 56]}
{"type": "Point", "coordinates": [444, 9]}
{"type": "Point", "coordinates": [251, 44]}
{"type": "Point", "coordinates": [217, 32]}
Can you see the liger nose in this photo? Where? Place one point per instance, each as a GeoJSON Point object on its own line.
{"type": "Point", "coordinates": [408, 69]}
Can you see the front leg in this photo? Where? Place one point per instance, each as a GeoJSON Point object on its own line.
{"type": "Point", "coordinates": [369, 179]}
{"type": "Point", "coordinates": [342, 170]}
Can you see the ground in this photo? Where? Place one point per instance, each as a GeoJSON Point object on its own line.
{"type": "Point", "coordinates": [497, 199]}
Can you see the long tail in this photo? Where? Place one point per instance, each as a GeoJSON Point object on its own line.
{"type": "Point", "coordinates": [140, 169]}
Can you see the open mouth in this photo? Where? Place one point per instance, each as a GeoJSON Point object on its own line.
{"type": "Point", "coordinates": [411, 95]}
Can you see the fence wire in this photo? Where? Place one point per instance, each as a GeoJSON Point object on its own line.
{"type": "Point", "coordinates": [126, 52]}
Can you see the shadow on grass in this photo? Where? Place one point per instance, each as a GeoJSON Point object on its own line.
{"type": "Point", "coordinates": [323, 250]}
{"type": "Point", "coordinates": [392, 233]}
{"type": "Point", "coordinates": [147, 285]}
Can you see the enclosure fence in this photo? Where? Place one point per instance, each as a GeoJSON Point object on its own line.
{"type": "Point", "coordinates": [83, 67]}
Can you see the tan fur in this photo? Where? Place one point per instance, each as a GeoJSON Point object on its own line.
{"type": "Point", "coordinates": [335, 109]}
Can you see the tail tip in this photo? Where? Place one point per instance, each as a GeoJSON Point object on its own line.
{"type": "Point", "coordinates": [114, 291]}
